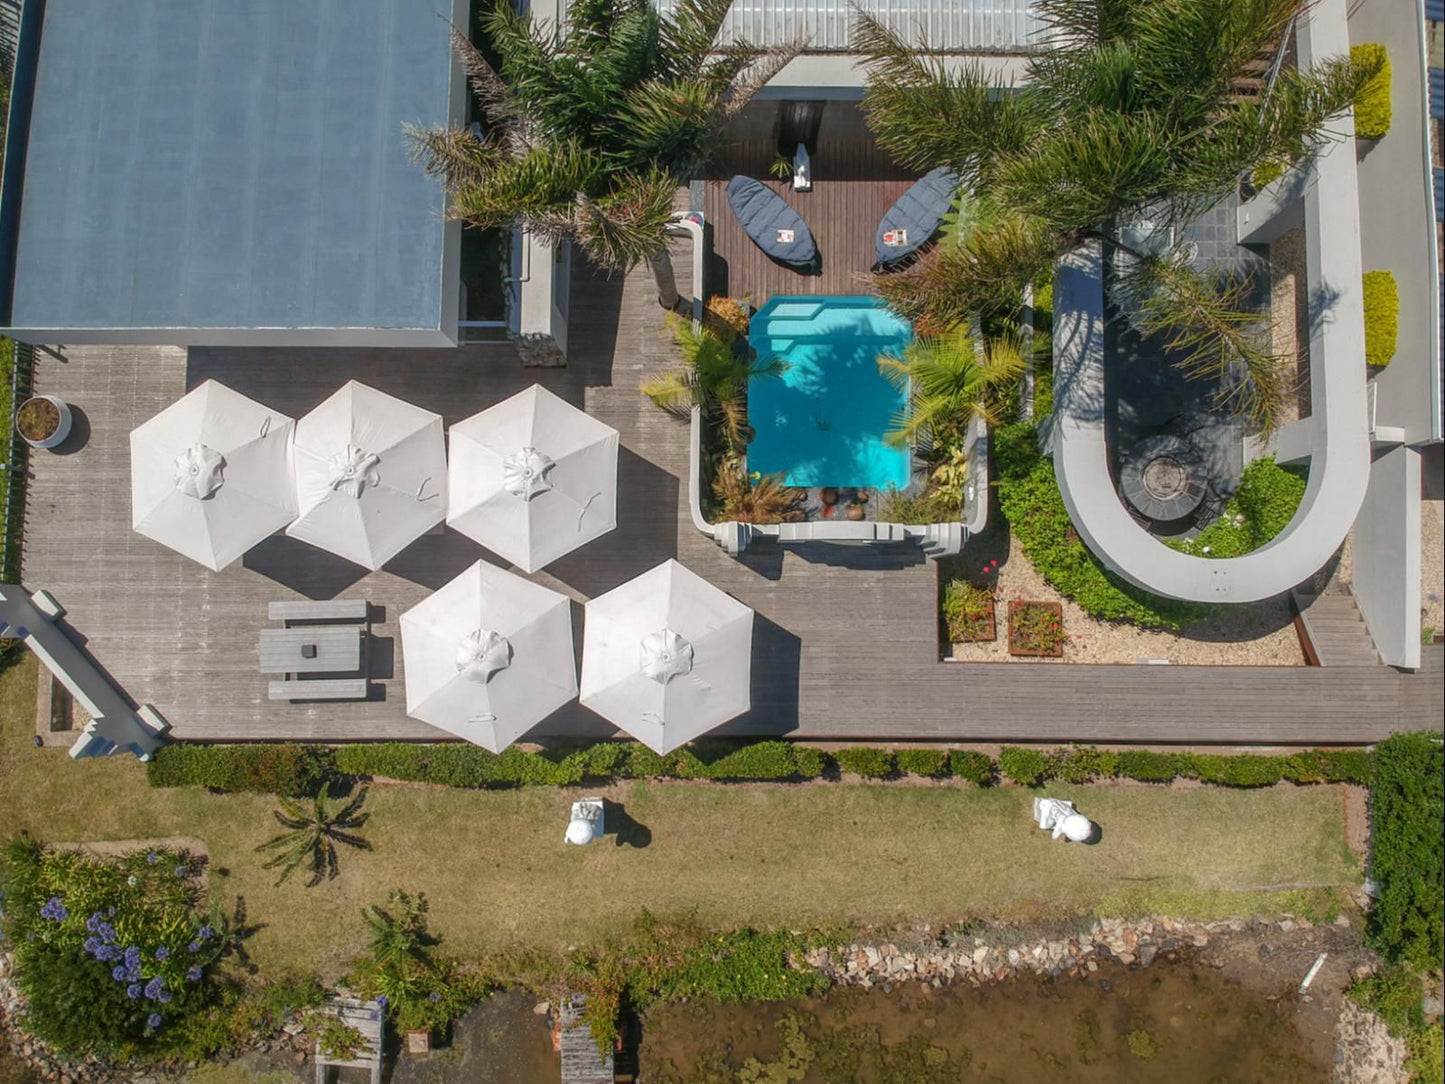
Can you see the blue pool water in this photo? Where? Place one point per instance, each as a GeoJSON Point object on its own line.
{"type": "Point", "coordinates": [822, 424]}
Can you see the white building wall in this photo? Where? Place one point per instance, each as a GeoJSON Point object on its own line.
{"type": "Point", "coordinates": [1386, 580]}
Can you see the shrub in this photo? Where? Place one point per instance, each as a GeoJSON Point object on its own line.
{"type": "Point", "coordinates": [865, 760]}
{"type": "Point", "coordinates": [112, 954]}
{"type": "Point", "coordinates": [1028, 767]}
{"type": "Point", "coordinates": [811, 762]}
{"type": "Point", "coordinates": [1382, 317]}
{"type": "Point", "coordinates": [1267, 172]}
{"type": "Point", "coordinates": [1080, 764]}
{"type": "Point", "coordinates": [1372, 103]}
{"type": "Point", "coordinates": [971, 766]}
{"type": "Point", "coordinates": [1243, 770]}
{"type": "Point", "coordinates": [286, 769]}
{"type": "Point", "coordinates": [1329, 766]}
{"type": "Point", "coordinates": [643, 763]}
{"type": "Point", "coordinates": [930, 506]}
{"type": "Point", "coordinates": [1146, 766]}
{"type": "Point", "coordinates": [1029, 497]}
{"type": "Point", "coordinates": [761, 760]}
{"type": "Point", "coordinates": [967, 611]}
{"type": "Point", "coordinates": [1407, 856]}
{"type": "Point", "coordinates": [930, 763]}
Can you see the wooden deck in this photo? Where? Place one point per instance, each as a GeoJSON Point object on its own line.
{"type": "Point", "coordinates": [854, 184]}
{"type": "Point", "coordinates": [581, 1064]}
{"type": "Point", "coordinates": [846, 639]}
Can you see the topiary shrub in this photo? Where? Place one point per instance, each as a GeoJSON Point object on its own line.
{"type": "Point", "coordinates": [865, 760]}
{"type": "Point", "coordinates": [1329, 766]}
{"type": "Point", "coordinates": [1372, 104]}
{"type": "Point", "coordinates": [971, 766]}
{"type": "Point", "coordinates": [811, 762]}
{"type": "Point", "coordinates": [764, 760]}
{"type": "Point", "coordinates": [287, 769]}
{"type": "Point", "coordinates": [1382, 317]}
{"type": "Point", "coordinates": [1027, 767]}
{"type": "Point", "coordinates": [1243, 770]}
{"type": "Point", "coordinates": [929, 763]}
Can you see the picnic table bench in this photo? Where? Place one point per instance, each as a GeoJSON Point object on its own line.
{"type": "Point", "coordinates": [337, 609]}
{"type": "Point", "coordinates": [319, 689]}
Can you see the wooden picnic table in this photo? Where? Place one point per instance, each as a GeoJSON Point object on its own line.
{"type": "Point", "coordinates": [321, 649]}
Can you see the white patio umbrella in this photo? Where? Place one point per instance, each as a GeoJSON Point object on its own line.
{"type": "Point", "coordinates": [488, 656]}
{"type": "Point", "coordinates": [667, 656]}
{"type": "Point", "coordinates": [533, 478]}
{"type": "Point", "coordinates": [370, 475]}
{"type": "Point", "coordinates": [210, 476]}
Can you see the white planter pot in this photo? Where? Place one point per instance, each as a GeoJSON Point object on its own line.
{"type": "Point", "coordinates": [62, 430]}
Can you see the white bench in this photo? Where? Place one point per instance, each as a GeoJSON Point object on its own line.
{"type": "Point", "coordinates": [324, 689]}
{"type": "Point", "coordinates": [338, 609]}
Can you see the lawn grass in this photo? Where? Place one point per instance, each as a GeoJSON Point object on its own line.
{"type": "Point", "coordinates": [499, 880]}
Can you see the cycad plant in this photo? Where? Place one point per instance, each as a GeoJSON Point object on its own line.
{"type": "Point", "coordinates": [1138, 109]}
{"type": "Point", "coordinates": [712, 376]}
{"type": "Point", "coordinates": [313, 831]}
{"type": "Point", "coordinates": [590, 128]}
{"type": "Point", "coordinates": [949, 380]}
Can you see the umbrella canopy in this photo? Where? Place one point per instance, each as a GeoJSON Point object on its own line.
{"type": "Point", "coordinates": [210, 476]}
{"type": "Point", "coordinates": [488, 656]}
{"type": "Point", "coordinates": [370, 475]}
{"type": "Point", "coordinates": [667, 656]}
{"type": "Point", "coordinates": [533, 478]}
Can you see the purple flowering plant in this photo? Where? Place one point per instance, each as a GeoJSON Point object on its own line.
{"type": "Point", "coordinates": [102, 942]}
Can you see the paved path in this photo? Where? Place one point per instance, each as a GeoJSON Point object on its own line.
{"type": "Point", "coordinates": [847, 639]}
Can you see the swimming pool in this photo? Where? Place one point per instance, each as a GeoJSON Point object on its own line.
{"type": "Point", "coordinates": [822, 424]}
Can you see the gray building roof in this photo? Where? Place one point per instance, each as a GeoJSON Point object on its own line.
{"type": "Point", "coordinates": [204, 170]}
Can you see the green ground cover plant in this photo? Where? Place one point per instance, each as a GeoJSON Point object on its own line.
{"type": "Point", "coordinates": [1266, 500]}
{"type": "Point", "coordinates": [111, 953]}
{"type": "Point", "coordinates": [1372, 101]}
{"type": "Point", "coordinates": [1382, 317]}
{"type": "Point", "coordinates": [1407, 856]}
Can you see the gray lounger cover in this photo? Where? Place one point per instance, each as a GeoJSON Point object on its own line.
{"type": "Point", "coordinates": [762, 213]}
{"type": "Point", "coordinates": [919, 211]}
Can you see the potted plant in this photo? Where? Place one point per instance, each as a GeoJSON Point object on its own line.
{"type": "Point", "coordinates": [43, 421]}
{"type": "Point", "coordinates": [1036, 629]}
{"type": "Point", "coordinates": [968, 611]}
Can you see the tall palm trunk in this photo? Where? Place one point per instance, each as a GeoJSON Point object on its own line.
{"type": "Point", "coordinates": [662, 274]}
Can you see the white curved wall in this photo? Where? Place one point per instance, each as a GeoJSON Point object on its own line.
{"type": "Point", "coordinates": [1340, 446]}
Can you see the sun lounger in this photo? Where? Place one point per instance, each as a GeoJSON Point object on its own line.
{"type": "Point", "coordinates": [915, 218]}
{"type": "Point", "coordinates": [772, 224]}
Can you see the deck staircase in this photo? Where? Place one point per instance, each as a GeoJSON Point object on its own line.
{"type": "Point", "coordinates": [1252, 83]}
{"type": "Point", "coordinates": [1335, 628]}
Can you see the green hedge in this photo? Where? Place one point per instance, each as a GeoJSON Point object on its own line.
{"type": "Point", "coordinates": [285, 769]}
{"type": "Point", "coordinates": [299, 769]}
{"type": "Point", "coordinates": [1372, 103]}
{"type": "Point", "coordinates": [1266, 500]}
{"type": "Point", "coordinates": [1382, 317]}
{"type": "Point", "coordinates": [1029, 497]}
{"type": "Point", "coordinates": [1081, 764]}
{"type": "Point", "coordinates": [1407, 807]}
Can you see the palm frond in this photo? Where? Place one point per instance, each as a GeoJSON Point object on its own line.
{"type": "Point", "coordinates": [629, 223]}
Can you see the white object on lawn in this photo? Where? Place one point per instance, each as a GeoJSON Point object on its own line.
{"type": "Point", "coordinates": [370, 475]}
{"type": "Point", "coordinates": [488, 656]}
{"type": "Point", "coordinates": [210, 476]}
{"type": "Point", "coordinates": [533, 478]}
{"type": "Point", "coordinates": [1059, 817]}
{"type": "Point", "coordinates": [667, 656]}
{"type": "Point", "coordinates": [586, 823]}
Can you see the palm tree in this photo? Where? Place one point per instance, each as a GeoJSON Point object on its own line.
{"type": "Point", "coordinates": [712, 376]}
{"type": "Point", "coordinates": [949, 381]}
{"type": "Point", "coordinates": [313, 833]}
{"type": "Point", "coordinates": [590, 132]}
{"type": "Point", "coordinates": [1138, 109]}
